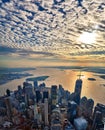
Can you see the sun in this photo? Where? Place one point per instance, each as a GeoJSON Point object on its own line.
{"type": "Point", "coordinates": [87, 37]}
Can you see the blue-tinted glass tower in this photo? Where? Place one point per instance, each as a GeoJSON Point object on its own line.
{"type": "Point", "coordinates": [78, 88]}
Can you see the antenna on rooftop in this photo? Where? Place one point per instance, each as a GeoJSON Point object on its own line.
{"type": "Point", "coordinates": [80, 75]}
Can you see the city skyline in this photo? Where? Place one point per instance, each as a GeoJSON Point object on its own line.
{"type": "Point", "coordinates": [52, 64]}
{"type": "Point", "coordinates": [36, 106]}
{"type": "Point", "coordinates": [52, 33]}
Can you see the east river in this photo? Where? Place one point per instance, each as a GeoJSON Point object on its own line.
{"type": "Point", "coordinates": [67, 78]}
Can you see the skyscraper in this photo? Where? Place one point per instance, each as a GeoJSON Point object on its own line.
{"type": "Point", "coordinates": [98, 115]}
{"type": "Point", "coordinates": [9, 107]}
{"type": "Point", "coordinates": [45, 95]}
{"type": "Point", "coordinates": [35, 84]}
{"type": "Point", "coordinates": [35, 110]}
{"type": "Point", "coordinates": [72, 111]}
{"type": "Point", "coordinates": [53, 96]}
{"type": "Point", "coordinates": [97, 121]}
{"type": "Point", "coordinates": [78, 88]}
{"type": "Point", "coordinates": [46, 111]}
{"type": "Point", "coordinates": [38, 96]}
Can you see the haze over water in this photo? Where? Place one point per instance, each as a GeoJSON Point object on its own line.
{"type": "Point", "coordinates": [67, 78]}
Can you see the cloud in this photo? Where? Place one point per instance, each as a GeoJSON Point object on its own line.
{"type": "Point", "coordinates": [4, 50]}
{"type": "Point", "coordinates": [93, 53]}
{"type": "Point", "coordinates": [51, 28]}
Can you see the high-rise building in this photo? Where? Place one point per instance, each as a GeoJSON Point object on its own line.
{"type": "Point", "coordinates": [97, 121]}
{"type": "Point", "coordinates": [98, 115]}
{"type": "Point", "coordinates": [77, 91]}
{"type": "Point", "coordinates": [9, 107]}
{"type": "Point", "coordinates": [83, 101]}
{"type": "Point", "coordinates": [26, 100]}
{"type": "Point", "coordinates": [45, 95]}
{"type": "Point", "coordinates": [101, 108]}
{"type": "Point", "coordinates": [20, 89]}
{"type": "Point", "coordinates": [35, 111]}
{"type": "Point", "coordinates": [78, 86]}
{"type": "Point", "coordinates": [90, 105]}
{"type": "Point", "coordinates": [28, 91]}
{"type": "Point", "coordinates": [38, 96]}
{"type": "Point", "coordinates": [46, 111]}
{"type": "Point", "coordinates": [35, 84]}
{"type": "Point", "coordinates": [61, 94]}
{"type": "Point", "coordinates": [72, 111]}
{"type": "Point", "coordinates": [84, 104]}
{"type": "Point", "coordinates": [53, 96]}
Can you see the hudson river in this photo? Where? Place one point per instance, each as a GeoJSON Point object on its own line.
{"type": "Point", "coordinates": [67, 78]}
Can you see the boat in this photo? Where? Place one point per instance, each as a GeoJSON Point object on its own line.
{"type": "Point", "coordinates": [93, 79]}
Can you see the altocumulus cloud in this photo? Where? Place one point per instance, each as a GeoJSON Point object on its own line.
{"type": "Point", "coordinates": [51, 27]}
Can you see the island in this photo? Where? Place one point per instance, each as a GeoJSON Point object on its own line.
{"type": "Point", "coordinates": [40, 78]}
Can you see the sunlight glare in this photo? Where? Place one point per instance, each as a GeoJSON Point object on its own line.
{"type": "Point", "coordinates": [87, 37]}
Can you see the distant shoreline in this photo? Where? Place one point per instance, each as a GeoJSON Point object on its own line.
{"type": "Point", "coordinates": [9, 74]}
{"type": "Point", "coordinates": [5, 78]}
{"type": "Point", "coordinates": [102, 76]}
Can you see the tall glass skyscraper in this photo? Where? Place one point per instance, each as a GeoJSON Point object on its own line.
{"type": "Point", "coordinates": [78, 88]}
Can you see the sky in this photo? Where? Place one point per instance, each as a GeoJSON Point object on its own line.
{"type": "Point", "coordinates": [52, 33]}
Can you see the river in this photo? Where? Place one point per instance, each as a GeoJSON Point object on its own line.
{"type": "Point", "coordinates": [67, 78]}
